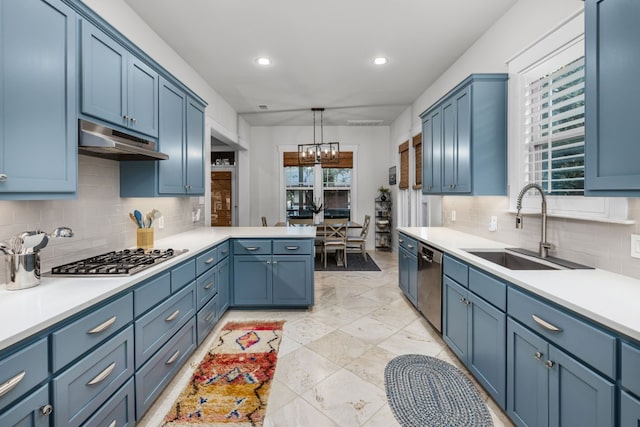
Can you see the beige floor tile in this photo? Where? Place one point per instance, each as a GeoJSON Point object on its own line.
{"type": "Point", "coordinates": [306, 330]}
{"type": "Point", "coordinates": [298, 413]}
{"type": "Point", "coordinates": [383, 418]}
{"type": "Point", "coordinates": [302, 369]}
{"type": "Point", "coordinates": [335, 398]}
{"type": "Point", "coordinates": [370, 366]}
{"type": "Point", "coordinates": [370, 330]}
{"type": "Point", "coordinates": [339, 347]}
{"type": "Point", "coordinates": [395, 314]}
{"type": "Point", "coordinates": [405, 342]}
{"type": "Point", "coordinates": [279, 395]}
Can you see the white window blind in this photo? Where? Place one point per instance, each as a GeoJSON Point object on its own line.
{"type": "Point", "coordinates": [554, 130]}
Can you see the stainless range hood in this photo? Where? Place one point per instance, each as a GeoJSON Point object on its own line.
{"type": "Point", "coordinates": [100, 141]}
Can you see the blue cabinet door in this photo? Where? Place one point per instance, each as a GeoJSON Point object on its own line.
{"type": "Point", "coordinates": [461, 150]}
{"type": "Point", "coordinates": [448, 158]}
{"type": "Point", "coordinates": [173, 103]}
{"type": "Point", "coordinates": [611, 61]}
{"type": "Point", "coordinates": [142, 97]}
{"type": "Point", "coordinates": [223, 286]}
{"type": "Point", "coordinates": [27, 412]}
{"type": "Point", "coordinates": [431, 152]}
{"type": "Point", "coordinates": [194, 156]}
{"type": "Point", "coordinates": [403, 271]}
{"type": "Point", "coordinates": [412, 283]}
{"type": "Point", "coordinates": [578, 397]}
{"type": "Point", "coordinates": [104, 76]}
{"type": "Point", "coordinates": [527, 377]}
{"type": "Point", "coordinates": [629, 410]}
{"type": "Point", "coordinates": [252, 280]}
{"type": "Point", "coordinates": [38, 123]}
{"type": "Point", "coordinates": [487, 347]}
{"type": "Point", "coordinates": [292, 280]}
{"type": "Point", "coordinates": [455, 317]}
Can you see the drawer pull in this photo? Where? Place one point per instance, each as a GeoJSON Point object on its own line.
{"type": "Point", "coordinates": [209, 317]}
{"type": "Point", "coordinates": [114, 423]}
{"type": "Point", "coordinates": [103, 375]}
{"type": "Point", "coordinates": [46, 410]}
{"type": "Point", "coordinates": [252, 248]}
{"type": "Point", "coordinates": [292, 248]}
{"type": "Point", "coordinates": [545, 324]}
{"type": "Point", "coordinates": [401, 240]}
{"type": "Point", "coordinates": [549, 364]}
{"type": "Point", "coordinates": [209, 285]}
{"type": "Point", "coordinates": [537, 355]}
{"type": "Point", "coordinates": [209, 261]}
{"type": "Point", "coordinates": [6, 387]}
{"type": "Point", "coordinates": [410, 246]}
{"type": "Point", "coordinates": [173, 358]}
{"type": "Point", "coordinates": [103, 326]}
{"type": "Point", "coordinates": [173, 316]}
{"type": "Point", "coordinates": [224, 251]}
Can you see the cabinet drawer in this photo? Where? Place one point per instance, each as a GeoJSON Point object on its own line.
{"type": "Point", "coordinates": [150, 294]}
{"type": "Point", "coordinates": [23, 370]}
{"type": "Point", "coordinates": [90, 330]}
{"type": "Point", "coordinates": [207, 318]}
{"type": "Point", "coordinates": [207, 260]}
{"type": "Point", "coordinates": [154, 328]}
{"type": "Point", "coordinates": [457, 270]}
{"type": "Point", "coordinates": [408, 243]}
{"type": "Point", "coordinates": [297, 247]}
{"type": "Point", "coordinates": [251, 247]}
{"type": "Point", "coordinates": [489, 288]}
{"type": "Point", "coordinates": [593, 346]}
{"type": "Point", "coordinates": [206, 287]}
{"type": "Point", "coordinates": [182, 275]}
{"type": "Point", "coordinates": [27, 412]}
{"type": "Point", "coordinates": [80, 390]}
{"type": "Point", "coordinates": [223, 250]}
{"type": "Point", "coordinates": [118, 411]}
{"type": "Point", "coordinates": [155, 374]}
{"type": "Point", "coordinates": [630, 367]}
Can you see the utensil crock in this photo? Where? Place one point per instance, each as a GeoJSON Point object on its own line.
{"type": "Point", "coordinates": [22, 271]}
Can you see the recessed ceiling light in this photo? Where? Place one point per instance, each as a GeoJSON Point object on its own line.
{"type": "Point", "coordinates": [380, 60]}
{"type": "Point", "coordinates": [263, 60]}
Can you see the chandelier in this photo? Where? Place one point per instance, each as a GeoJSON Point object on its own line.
{"type": "Point", "coordinates": [318, 153]}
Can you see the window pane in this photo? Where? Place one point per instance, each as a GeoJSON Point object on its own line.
{"type": "Point", "coordinates": [336, 177]}
{"type": "Point", "coordinates": [337, 203]}
{"type": "Point", "coordinates": [298, 176]}
{"type": "Point", "coordinates": [299, 203]}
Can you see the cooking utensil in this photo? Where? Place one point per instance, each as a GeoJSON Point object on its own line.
{"type": "Point", "coordinates": [133, 218]}
{"type": "Point", "coordinates": [16, 244]}
{"type": "Point", "coordinates": [42, 244]}
{"type": "Point", "coordinates": [61, 232]}
{"type": "Point", "coordinates": [149, 219]}
{"type": "Point", "coordinates": [6, 250]}
{"type": "Point", "coordinates": [30, 241]}
{"type": "Point", "coordinates": [138, 216]}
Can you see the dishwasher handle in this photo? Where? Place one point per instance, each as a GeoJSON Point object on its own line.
{"type": "Point", "coordinates": [430, 255]}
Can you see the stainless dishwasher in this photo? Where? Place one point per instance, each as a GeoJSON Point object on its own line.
{"type": "Point", "coordinates": [430, 284]}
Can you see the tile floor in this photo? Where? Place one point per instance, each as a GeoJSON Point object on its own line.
{"type": "Point", "coordinates": [331, 360]}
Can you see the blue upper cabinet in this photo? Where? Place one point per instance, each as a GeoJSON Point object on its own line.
{"type": "Point", "coordinates": [465, 139]}
{"type": "Point", "coordinates": [612, 29]}
{"type": "Point", "coordinates": [38, 128]}
{"type": "Point", "coordinates": [117, 87]}
{"type": "Point", "coordinates": [181, 137]}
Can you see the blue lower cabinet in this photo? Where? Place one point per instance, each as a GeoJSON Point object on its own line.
{"type": "Point", "coordinates": [292, 280]}
{"type": "Point", "coordinates": [30, 412]}
{"type": "Point", "coordinates": [547, 387]}
{"type": "Point", "coordinates": [153, 377]}
{"type": "Point", "coordinates": [629, 410]}
{"type": "Point", "coordinates": [252, 280]}
{"type": "Point", "coordinates": [118, 411]}
{"type": "Point", "coordinates": [224, 278]}
{"type": "Point", "coordinates": [455, 317]}
{"type": "Point", "coordinates": [408, 274]}
{"type": "Point", "coordinates": [207, 318]}
{"type": "Point", "coordinates": [25, 369]}
{"type": "Point", "coordinates": [81, 390]}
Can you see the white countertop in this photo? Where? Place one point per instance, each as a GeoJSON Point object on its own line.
{"type": "Point", "coordinates": [608, 298]}
{"type": "Point", "coordinates": [28, 311]}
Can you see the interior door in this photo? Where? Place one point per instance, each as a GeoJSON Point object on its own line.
{"type": "Point", "coordinates": [221, 198]}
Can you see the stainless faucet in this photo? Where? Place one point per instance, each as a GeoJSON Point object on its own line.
{"type": "Point", "coordinates": [544, 245]}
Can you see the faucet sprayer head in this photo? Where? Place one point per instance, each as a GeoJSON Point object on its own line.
{"type": "Point", "coordinates": [519, 220]}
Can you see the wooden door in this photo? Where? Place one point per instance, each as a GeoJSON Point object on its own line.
{"type": "Point", "coordinates": [221, 198]}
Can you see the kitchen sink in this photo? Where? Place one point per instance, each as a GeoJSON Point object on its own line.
{"type": "Point", "coordinates": [523, 259]}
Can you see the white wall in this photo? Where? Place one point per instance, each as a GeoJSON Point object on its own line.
{"type": "Point", "coordinates": [372, 159]}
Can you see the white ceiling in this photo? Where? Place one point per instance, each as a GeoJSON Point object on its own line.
{"type": "Point", "coordinates": [321, 51]}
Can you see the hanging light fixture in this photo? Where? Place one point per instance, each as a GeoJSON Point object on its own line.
{"type": "Point", "coordinates": [318, 152]}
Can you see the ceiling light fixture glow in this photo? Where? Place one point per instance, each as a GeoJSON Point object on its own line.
{"type": "Point", "coordinates": [263, 60]}
{"type": "Point", "coordinates": [380, 60]}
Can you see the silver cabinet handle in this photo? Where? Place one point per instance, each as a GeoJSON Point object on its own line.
{"type": "Point", "coordinates": [429, 260]}
{"type": "Point", "coordinates": [209, 317]}
{"type": "Point", "coordinates": [125, 117]}
{"type": "Point", "coordinates": [537, 355]}
{"type": "Point", "coordinates": [7, 386]}
{"type": "Point", "coordinates": [209, 285]}
{"type": "Point", "coordinates": [292, 248]}
{"type": "Point", "coordinates": [275, 262]}
{"type": "Point", "coordinates": [224, 251]}
{"type": "Point", "coordinates": [46, 410]}
{"type": "Point", "coordinates": [549, 364]}
{"type": "Point", "coordinates": [401, 240]}
{"type": "Point", "coordinates": [252, 248]}
{"type": "Point", "coordinates": [103, 326]}
{"type": "Point", "coordinates": [410, 246]}
{"type": "Point", "coordinates": [268, 262]}
{"type": "Point", "coordinates": [545, 324]}
{"type": "Point", "coordinates": [3, 177]}
{"type": "Point", "coordinates": [133, 119]}
{"type": "Point", "coordinates": [173, 358]}
{"type": "Point", "coordinates": [209, 261]}
{"type": "Point", "coordinates": [114, 423]}
{"type": "Point", "coordinates": [173, 316]}
{"type": "Point", "coordinates": [103, 375]}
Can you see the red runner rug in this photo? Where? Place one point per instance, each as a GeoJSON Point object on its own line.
{"type": "Point", "coordinates": [230, 387]}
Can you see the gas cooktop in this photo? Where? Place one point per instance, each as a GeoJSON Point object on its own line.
{"type": "Point", "coordinates": [116, 263]}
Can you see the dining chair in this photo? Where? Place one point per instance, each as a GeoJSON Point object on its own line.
{"type": "Point", "coordinates": [264, 221]}
{"type": "Point", "coordinates": [335, 238]}
{"type": "Point", "coordinates": [301, 221]}
{"type": "Point", "coordinates": [359, 242]}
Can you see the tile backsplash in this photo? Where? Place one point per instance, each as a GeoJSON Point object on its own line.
{"type": "Point", "coordinates": [597, 244]}
{"type": "Point", "coordinates": [98, 216]}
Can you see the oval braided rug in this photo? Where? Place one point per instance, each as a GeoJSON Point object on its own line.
{"type": "Point", "coordinates": [425, 391]}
